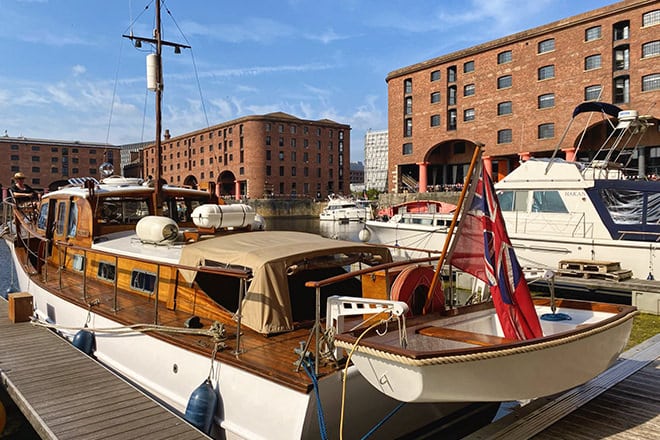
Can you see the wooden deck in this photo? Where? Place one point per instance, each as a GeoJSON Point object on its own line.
{"type": "Point", "coordinates": [622, 403]}
{"type": "Point", "coordinates": [67, 395]}
{"type": "Point", "coordinates": [271, 357]}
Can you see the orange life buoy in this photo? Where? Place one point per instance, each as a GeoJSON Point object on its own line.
{"type": "Point", "coordinates": [412, 286]}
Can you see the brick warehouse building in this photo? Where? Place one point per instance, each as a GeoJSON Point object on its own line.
{"type": "Point", "coordinates": [261, 156]}
{"type": "Point", "coordinates": [48, 163]}
{"type": "Point", "coordinates": [517, 94]}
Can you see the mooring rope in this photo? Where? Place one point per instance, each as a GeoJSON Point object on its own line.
{"type": "Point", "coordinates": [345, 372]}
{"type": "Point", "coordinates": [216, 331]}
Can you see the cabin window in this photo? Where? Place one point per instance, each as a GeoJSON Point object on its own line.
{"type": "Point", "coordinates": [548, 201]}
{"type": "Point", "coordinates": [78, 262]}
{"type": "Point", "coordinates": [106, 271]}
{"type": "Point", "coordinates": [43, 217]}
{"type": "Point", "coordinates": [61, 215]}
{"type": "Point", "coordinates": [627, 207]}
{"type": "Point", "coordinates": [143, 281]}
{"type": "Point", "coordinates": [513, 200]}
{"type": "Point", "coordinates": [73, 219]}
{"type": "Point", "coordinates": [120, 211]}
{"type": "Point", "coordinates": [653, 209]}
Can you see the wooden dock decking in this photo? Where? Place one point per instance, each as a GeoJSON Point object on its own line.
{"type": "Point", "coordinates": [622, 403]}
{"type": "Point", "coordinates": [66, 395]}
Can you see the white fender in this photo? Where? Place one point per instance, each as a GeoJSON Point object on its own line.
{"type": "Point", "coordinates": [157, 229]}
{"type": "Point", "coordinates": [223, 216]}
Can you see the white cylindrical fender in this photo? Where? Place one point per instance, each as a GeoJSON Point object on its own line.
{"type": "Point", "coordinates": [157, 229]}
{"type": "Point", "coordinates": [223, 216]}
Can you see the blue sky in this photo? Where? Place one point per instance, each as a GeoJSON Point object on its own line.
{"type": "Point", "coordinates": [67, 73]}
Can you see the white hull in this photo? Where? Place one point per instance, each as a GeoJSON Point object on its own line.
{"type": "Point", "coordinates": [543, 252]}
{"type": "Point", "coordinates": [351, 215]}
{"type": "Point", "coordinates": [346, 210]}
{"type": "Point", "coordinates": [250, 407]}
{"type": "Point", "coordinates": [419, 239]}
{"type": "Point", "coordinates": [537, 250]}
{"type": "Point", "coordinates": [562, 213]}
{"type": "Point", "coordinates": [505, 374]}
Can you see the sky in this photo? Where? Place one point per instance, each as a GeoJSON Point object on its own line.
{"type": "Point", "coordinates": [67, 73]}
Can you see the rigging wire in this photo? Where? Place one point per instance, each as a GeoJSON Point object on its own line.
{"type": "Point", "coordinates": [192, 56]}
{"type": "Point", "coordinates": [144, 114]}
{"type": "Point", "coordinates": [132, 22]}
{"type": "Point", "coordinates": [114, 93]}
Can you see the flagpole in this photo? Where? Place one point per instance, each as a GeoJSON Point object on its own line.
{"type": "Point", "coordinates": [475, 158]}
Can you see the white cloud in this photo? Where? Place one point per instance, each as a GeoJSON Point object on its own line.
{"type": "Point", "coordinates": [78, 70]}
{"type": "Point", "coordinates": [221, 108]}
{"type": "Point", "coordinates": [252, 29]}
{"type": "Point", "coordinates": [327, 36]}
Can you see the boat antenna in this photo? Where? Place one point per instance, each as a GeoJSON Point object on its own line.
{"type": "Point", "coordinates": [155, 83]}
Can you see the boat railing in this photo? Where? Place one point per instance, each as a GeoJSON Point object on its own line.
{"type": "Point", "coordinates": [429, 252]}
{"type": "Point", "coordinates": [624, 234]}
{"type": "Point", "coordinates": [575, 225]}
{"type": "Point", "coordinates": [7, 209]}
{"type": "Point", "coordinates": [372, 270]}
{"type": "Point", "coordinates": [24, 234]}
{"type": "Point", "coordinates": [243, 275]}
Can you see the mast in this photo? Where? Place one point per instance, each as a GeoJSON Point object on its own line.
{"type": "Point", "coordinates": [158, 205]}
{"type": "Point", "coordinates": [157, 87]}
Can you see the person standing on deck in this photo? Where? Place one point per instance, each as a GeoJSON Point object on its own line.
{"type": "Point", "coordinates": [21, 190]}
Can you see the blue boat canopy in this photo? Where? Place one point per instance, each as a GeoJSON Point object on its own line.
{"type": "Point", "coordinates": [593, 106]}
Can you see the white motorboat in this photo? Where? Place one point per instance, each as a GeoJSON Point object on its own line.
{"type": "Point", "coordinates": [341, 209]}
{"type": "Point", "coordinates": [558, 212]}
{"type": "Point", "coordinates": [413, 229]}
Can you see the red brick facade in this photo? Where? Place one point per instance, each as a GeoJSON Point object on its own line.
{"type": "Point", "coordinates": [273, 155]}
{"type": "Point", "coordinates": [45, 162]}
{"type": "Point", "coordinates": [552, 64]}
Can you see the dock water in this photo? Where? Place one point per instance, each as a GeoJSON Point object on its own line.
{"type": "Point", "coordinates": [65, 394]}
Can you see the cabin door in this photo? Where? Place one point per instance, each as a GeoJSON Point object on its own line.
{"type": "Point", "coordinates": [59, 229]}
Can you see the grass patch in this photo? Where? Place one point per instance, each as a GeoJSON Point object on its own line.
{"type": "Point", "coordinates": [645, 325]}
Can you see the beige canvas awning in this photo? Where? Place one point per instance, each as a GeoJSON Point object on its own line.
{"type": "Point", "coordinates": [270, 255]}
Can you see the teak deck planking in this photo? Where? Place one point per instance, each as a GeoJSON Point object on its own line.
{"type": "Point", "coordinates": [271, 357]}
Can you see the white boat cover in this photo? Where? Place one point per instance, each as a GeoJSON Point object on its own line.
{"type": "Point", "coordinates": [270, 255]}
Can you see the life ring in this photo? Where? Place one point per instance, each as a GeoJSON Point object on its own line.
{"type": "Point", "coordinates": [412, 286]}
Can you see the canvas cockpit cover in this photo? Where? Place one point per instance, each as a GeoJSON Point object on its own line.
{"type": "Point", "coordinates": [270, 255]}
